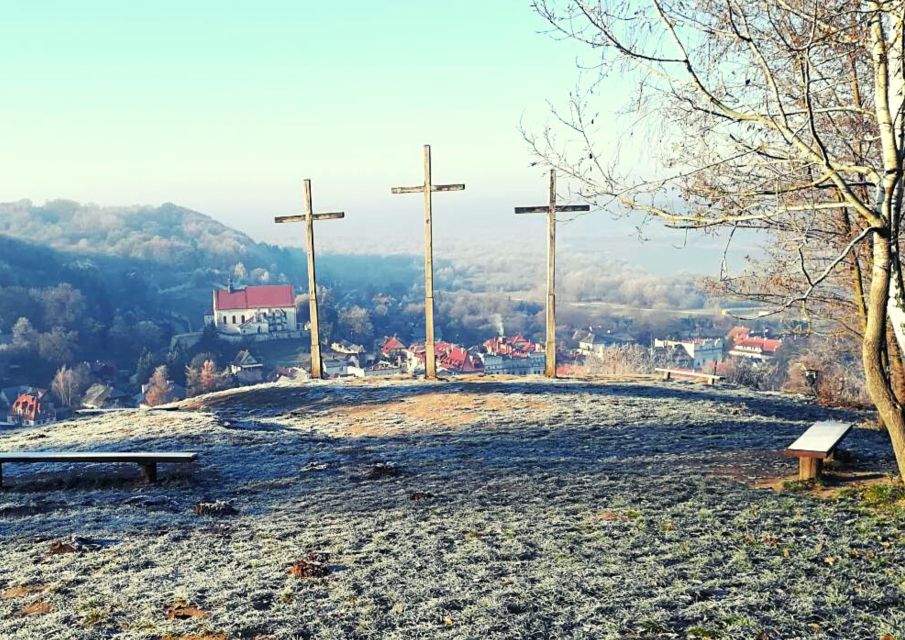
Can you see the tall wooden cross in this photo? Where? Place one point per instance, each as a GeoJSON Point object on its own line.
{"type": "Point", "coordinates": [551, 209]}
{"type": "Point", "coordinates": [430, 359]}
{"type": "Point", "coordinates": [308, 218]}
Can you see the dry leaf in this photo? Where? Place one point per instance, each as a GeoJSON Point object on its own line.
{"type": "Point", "coordinates": [21, 591]}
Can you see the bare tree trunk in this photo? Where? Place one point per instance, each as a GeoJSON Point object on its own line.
{"type": "Point", "coordinates": [878, 382]}
{"type": "Point", "coordinates": [896, 365]}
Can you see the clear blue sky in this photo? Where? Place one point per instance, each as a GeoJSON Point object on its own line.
{"type": "Point", "coordinates": [224, 107]}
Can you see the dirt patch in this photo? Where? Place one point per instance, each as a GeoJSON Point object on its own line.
{"type": "Point", "coordinates": [181, 610]}
{"type": "Point", "coordinates": [421, 413]}
{"type": "Point", "coordinates": [831, 485]}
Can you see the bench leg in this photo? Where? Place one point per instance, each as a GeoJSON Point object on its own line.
{"type": "Point", "coordinates": [149, 472]}
{"type": "Point", "coordinates": [809, 468]}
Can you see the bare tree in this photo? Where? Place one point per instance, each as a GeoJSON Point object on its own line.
{"type": "Point", "coordinates": [627, 359]}
{"type": "Point", "coordinates": [69, 384]}
{"type": "Point", "coordinates": [782, 116]}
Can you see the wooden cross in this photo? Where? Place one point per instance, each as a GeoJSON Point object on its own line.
{"type": "Point", "coordinates": [308, 218]}
{"type": "Point", "coordinates": [551, 209]}
{"type": "Point", "coordinates": [430, 359]}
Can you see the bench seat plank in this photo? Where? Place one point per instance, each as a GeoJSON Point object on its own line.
{"type": "Point", "coordinates": [667, 373]}
{"type": "Point", "coordinates": [147, 460]}
{"type": "Point", "coordinates": [820, 439]}
{"type": "Point", "coordinates": [815, 445]}
{"type": "Point", "coordinates": [98, 456]}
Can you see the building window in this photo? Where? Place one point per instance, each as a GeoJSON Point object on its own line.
{"type": "Point", "coordinates": [234, 319]}
{"type": "Point", "coordinates": [243, 318]}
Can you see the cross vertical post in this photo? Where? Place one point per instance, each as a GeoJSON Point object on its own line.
{"type": "Point", "coordinates": [551, 209]}
{"type": "Point", "coordinates": [550, 364]}
{"type": "Point", "coordinates": [317, 369]}
{"type": "Point", "coordinates": [427, 188]}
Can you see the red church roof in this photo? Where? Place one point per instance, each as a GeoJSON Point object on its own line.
{"type": "Point", "coordinates": [255, 297]}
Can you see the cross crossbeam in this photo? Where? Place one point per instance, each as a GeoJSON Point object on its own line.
{"type": "Point", "coordinates": [430, 359]}
{"type": "Point", "coordinates": [301, 217]}
{"type": "Point", "coordinates": [434, 188]}
{"type": "Point", "coordinates": [309, 217]}
{"type": "Point", "coordinates": [551, 209]}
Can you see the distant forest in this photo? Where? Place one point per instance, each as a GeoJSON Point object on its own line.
{"type": "Point", "coordinates": [83, 282]}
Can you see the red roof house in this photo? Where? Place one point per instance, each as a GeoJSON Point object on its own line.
{"type": "Point", "coordinates": [391, 345]}
{"type": "Point", "coordinates": [31, 409]}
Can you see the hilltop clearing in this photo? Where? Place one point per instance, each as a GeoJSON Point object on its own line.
{"type": "Point", "coordinates": [493, 509]}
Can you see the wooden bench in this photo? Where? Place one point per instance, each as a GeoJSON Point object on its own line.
{"type": "Point", "coordinates": [816, 445]}
{"type": "Point", "coordinates": [148, 461]}
{"type": "Point", "coordinates": [711, 378]}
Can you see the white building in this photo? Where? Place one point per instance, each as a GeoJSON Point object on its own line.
{"type": "Point", "coordinates": [593, 344]}
{"type": "Point", "coordinates": [260, 312]}
{"type": "Point", "coordinates": [530, 364]}
{"type": "Point", "coordinates": [697, 354]}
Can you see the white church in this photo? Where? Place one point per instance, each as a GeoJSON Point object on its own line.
{"type": "Point", "coordinates": [258, 312]}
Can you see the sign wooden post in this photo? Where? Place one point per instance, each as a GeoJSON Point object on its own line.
{"type": "Point", "coordinates": [551, 210]}
{"type": "Point", "coordinates": [430, 359]}
{"type": "Point", "coordinates": [317, 370]}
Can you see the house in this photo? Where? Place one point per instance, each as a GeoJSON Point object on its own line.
{"type": "Point", "coordinates": [104, 396]}
{"type": "Point", "coordinates": [246, 368]}
{"type": "Point", "coordinates": [260, 312]}
{"type": "Point", "coordinates": [744, 345]}
{"type": "Point", "coordinates": [697, 354]}
{"type": "Point", "coordinates": [346, 348]}
{"type": "Point", "coordinates": [392, 347]}
{"type": "Point", "coordinates": [32, 409]}
{"type": "Point", "coordinates": [756, 348]}
{"type": "Point", "coordinates": [342, 367]}
{"type": "Point", "coordinates": [288, 374]}
{"type": "Point", "coordinates": [523, 365]}
{"type": "Point", "coordinates": [459, 361]}
{"type": "Point", "coordinates": [384, 370]}
{"type": "Point", "coordinates": [517, 345]}
{"type": "Point", "coordinates": [590, 344]}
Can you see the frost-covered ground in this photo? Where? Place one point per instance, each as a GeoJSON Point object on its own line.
{"type": "Point", "coordinates": [508, 509]}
